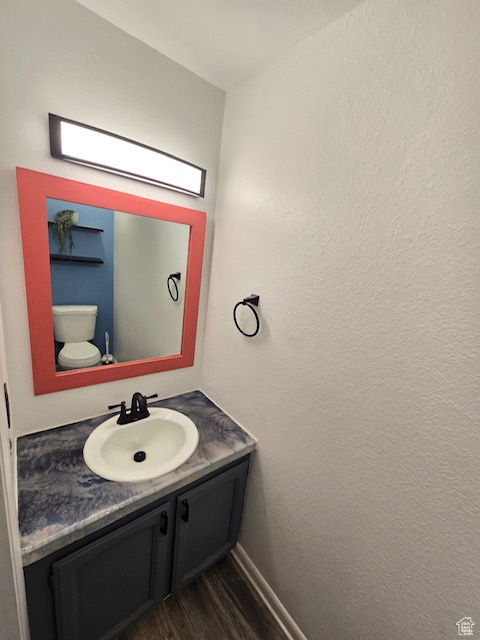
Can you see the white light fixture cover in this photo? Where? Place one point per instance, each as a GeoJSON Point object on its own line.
{"type": "Point", "coordinates": [80, 143]}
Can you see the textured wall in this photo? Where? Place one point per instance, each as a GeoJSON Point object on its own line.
{"type": "Point", "coordinates": [349, 200]}
{"type": "Point", "coordinates": [56, 56]}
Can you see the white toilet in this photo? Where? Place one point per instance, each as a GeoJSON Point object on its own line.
{"type": "Point", "coordinates": [74, 324]}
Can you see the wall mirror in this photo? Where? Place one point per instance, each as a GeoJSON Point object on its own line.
{"type": "Point", "coordinates": [134, 268]}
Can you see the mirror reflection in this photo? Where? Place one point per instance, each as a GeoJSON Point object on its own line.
{"type": "Point", "coordinates": [112, 298]}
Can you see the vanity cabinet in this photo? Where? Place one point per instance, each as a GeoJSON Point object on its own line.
{"type": "Point", "coordinates": [207, 524]}
{"type": "Point", "coordinates": [94, 587]}
{"type": "Point", "coordinates": [108, 583]}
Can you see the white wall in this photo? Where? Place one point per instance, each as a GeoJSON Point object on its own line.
{"type": "Point", "coordinates": [59, 57]}
{"type": "Point", "coordinates": [13, 613]}
{"type": "Point", "coordinates": [148, 323]}
{"type": "Point", "coordinates": [8, 603]}
{"type": "Point", "coordinates": [349, 201]}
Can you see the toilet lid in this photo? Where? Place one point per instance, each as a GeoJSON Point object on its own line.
{"type": "Point", "coordinates": [84, 352]}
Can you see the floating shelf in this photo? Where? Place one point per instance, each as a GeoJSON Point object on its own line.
{"type": "Point", "coordinates": [80, 226]}
{"type": "Point", "coordinates": [58, 257]}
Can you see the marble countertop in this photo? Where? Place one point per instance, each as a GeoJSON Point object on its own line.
{"type": "Point", "coordinates": [61, 500]}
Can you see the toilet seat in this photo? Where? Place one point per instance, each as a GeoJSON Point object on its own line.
{"type": "Point", "coordinates": [79, 355]}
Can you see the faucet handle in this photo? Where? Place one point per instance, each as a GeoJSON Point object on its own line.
{"type": "Point", "coordinates": [117, 406]}
{"type": "Point", "coordinates": [155, 395]}
{"type": "Point", "coordinates": [122, 418]}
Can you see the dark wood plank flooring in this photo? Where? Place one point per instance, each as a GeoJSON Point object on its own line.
{"type": "Point", "coordinates": [218, 605]}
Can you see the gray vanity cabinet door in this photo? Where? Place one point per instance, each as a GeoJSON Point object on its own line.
{"type": "Point", "coordinates": [103, 586]}
{"type": "Point", "coordinates": [207, 523]}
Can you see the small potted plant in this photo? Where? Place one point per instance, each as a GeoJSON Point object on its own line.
{"type": "Point", "coordinates": [64, 220]}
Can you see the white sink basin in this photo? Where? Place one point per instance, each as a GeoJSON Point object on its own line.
{"type": "Point", "coordinates": [166, 437]}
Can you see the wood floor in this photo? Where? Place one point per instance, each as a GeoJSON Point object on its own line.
{"type": "Point", "coordinates": [218, 605]}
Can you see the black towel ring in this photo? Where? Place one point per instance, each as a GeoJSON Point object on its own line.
{"type": "Point", "coordinates": [251, 302]}
{"type": "Point", "coordinates": [172, 278]}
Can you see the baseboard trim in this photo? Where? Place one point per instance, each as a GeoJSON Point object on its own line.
{"type": "Point", "coordinates": [266, 593]}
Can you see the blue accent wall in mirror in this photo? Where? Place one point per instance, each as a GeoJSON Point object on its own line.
{"type": "Point", "coordinates": [76, 282]}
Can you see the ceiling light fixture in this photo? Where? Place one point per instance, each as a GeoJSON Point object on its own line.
{"type": "Point", "coordinates": [92, 147]}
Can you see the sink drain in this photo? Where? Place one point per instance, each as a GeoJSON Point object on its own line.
{"type": "Point", "coordinates": [139, 456]}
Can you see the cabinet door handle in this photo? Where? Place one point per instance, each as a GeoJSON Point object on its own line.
{"type": "Point", "coordinates": [164, 525]}
{"type": "Point", "coordinates": [186, 510]}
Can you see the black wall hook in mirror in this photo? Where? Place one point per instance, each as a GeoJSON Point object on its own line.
{"type": "Point", "coordinates": [251, 302]}
{"type": "Point", "coordinates": [172, 282]}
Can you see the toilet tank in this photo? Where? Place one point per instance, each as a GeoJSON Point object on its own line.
{"type": "Point", "coordinates": [74, 322]}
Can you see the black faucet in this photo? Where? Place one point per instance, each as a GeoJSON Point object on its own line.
{"type": "Point", "coordinates": [138, 408]}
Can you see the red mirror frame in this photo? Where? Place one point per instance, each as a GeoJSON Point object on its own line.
{"type": "Point", "coordinates": [33, 190]}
